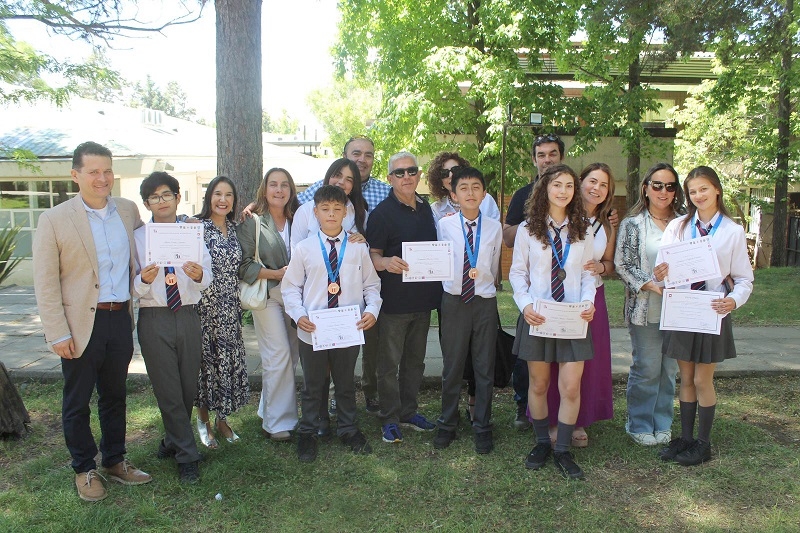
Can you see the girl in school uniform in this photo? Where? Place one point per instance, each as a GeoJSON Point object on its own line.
{"type": "Point", "coordinates": [699, 353]}
{"type": "Point", "coordinates": [551, 248]}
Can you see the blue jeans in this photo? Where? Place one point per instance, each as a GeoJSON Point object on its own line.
{"type": "Point", "coordinates": [651, 382]}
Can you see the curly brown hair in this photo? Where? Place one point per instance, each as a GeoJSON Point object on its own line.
{"type": "Point", "coordinates": [436, 172]}
{"type": "Point", "coordinates": [537, 207]}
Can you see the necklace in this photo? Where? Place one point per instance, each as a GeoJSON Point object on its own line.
{"type": "Point", "coordinates": [661, 219]}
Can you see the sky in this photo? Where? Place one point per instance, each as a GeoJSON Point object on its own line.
{"type": "Point", "coordinates": [296, 39]}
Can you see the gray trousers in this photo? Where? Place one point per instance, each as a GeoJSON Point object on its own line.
{"type": "Point", "coordinates": [401, 363]}
{"type": "Point", "coordinates": [342, 365]}
{"type": "Point", "coordinates": [468, 330]}
{"type": "Point", "coordinates": [369, 363]}
{"type": "Point", "coordinates": [172, 351]}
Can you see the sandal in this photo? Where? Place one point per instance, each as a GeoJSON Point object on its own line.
{"type": "Point", "coordinates": [233, 436]}
{"type": "Point", "coordinates": [206, 435]}
{"type": "Point", "coordinates": [579, 438]}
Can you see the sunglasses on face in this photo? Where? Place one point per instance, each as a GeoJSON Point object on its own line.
{"type": "Point", "coordinates": [449, 172]}
{"type": "Point", "coordinates": [658, 185]}
{"type": "Point", "coordinates": [400, 172]}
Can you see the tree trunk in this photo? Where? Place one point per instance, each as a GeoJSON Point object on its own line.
{"type": "Point", "coordinates": [239, 140]}
{"type": "Point", "coordinates": [634, 144]}
{"type": "Point", "coordinates": [778, 257]}
{"type": "Point", "coordinates": [13, 415]}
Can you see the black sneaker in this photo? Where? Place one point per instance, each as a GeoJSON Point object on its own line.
{"type": "Point", "coordinates": [521, 421]}
{"type": "Point", "coordinates": [483, 442]}
{"type": "Point", "coordinates": [566, 465]}
{"type": "Point", "coordinates": [373, 407]}
{"type": "Point", "coordinates": [306, 448]}
{"type": "Point", "coordinates": [675, 447]}
{"type": "Point", "coordinates": [538, 456]}
{"type": "Point", "coordinates": [443, 438]}
{"type": "Point", "coordinates": [357, 442]}
{"type": "Point", "coordinates": [698, 453]}
{"type": "Point", "coordinates": [189, 473]}
{"type": "Point", "coordinates": [164, 452]}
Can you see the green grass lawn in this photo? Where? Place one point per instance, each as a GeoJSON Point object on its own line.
{"type": "Point", "coordinates": [750, 485]}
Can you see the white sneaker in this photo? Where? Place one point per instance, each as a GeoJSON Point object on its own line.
{"type": "Point", "coordinates": [645, 439]}
{"type": "Point", "coordinates": [663, 437]}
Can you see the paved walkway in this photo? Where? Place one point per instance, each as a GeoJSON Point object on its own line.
{"type": "Point", "coordinates": [762, 350]}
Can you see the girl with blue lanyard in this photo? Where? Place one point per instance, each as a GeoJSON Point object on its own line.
{"type": "Point", "coordinates": [699, 353]}
{"type": "Point", "coordinates": [550, 249]}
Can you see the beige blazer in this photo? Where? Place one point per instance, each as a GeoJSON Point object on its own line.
{"type": "Point", "coordinates": [271, 249]}
{"type": "Point", "coordinates": [65, 271]}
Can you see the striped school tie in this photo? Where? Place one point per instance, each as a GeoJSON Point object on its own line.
{"type": "Point", "coordinates": [700, 285]}
{"type": "Point", "coordinates": [556, 285]}
{"type": "Point", "coordinates": [467, 283]}
{"type": "Point", "coordinates": [173, 294]}
{"type": "Point", "coordinates": [333, 257]}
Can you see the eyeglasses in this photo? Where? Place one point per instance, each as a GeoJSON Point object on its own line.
{"type": "Point", "coordinates": [448, 172]}
{"type": "Point", "coordinates": [157, 199]}
{"type": "Point", "coordinates": [658, 185]}
{"type": "Point", "coordinates": [400, 172]}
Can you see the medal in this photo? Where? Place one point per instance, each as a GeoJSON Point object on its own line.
{"type": "Point", "coordinates": [171, 279]}
{"type": "Point", "coordinates": [473, 273]}
{"type": "Point", "coordinates": [472, 251]}
{"type": "Point", "coordinates": [561, 274]}
{"type": "Point", "coordinates": [333, 288]}
{"type": "Point", "coordinates": [333, 275]}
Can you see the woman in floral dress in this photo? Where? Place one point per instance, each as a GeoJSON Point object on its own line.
{"type": "Point", "coordinates": [223, 386]}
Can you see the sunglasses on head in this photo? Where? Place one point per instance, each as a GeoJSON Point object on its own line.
{"type": "Point", "coordinates": [451, 171]}
{"type": "Point", "coordinates": [658, 185]}
{"type": "Point", "coordinates": [400, 172]}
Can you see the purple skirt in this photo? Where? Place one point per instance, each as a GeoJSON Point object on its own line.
{"type": "Point", "coordinates": [597, 402]}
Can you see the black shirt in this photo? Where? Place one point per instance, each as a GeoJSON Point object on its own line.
{"type": "Point", "coordinates": [391, 224]}
{"type": "Point", "coordinates": [516, 207]}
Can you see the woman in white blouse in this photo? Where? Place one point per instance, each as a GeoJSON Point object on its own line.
{"type": "Point", "coordinates": [699, 353]}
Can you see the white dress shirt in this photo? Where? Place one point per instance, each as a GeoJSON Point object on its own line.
{"type": "Point", "coordinates": [599, 247]}
{"type": "Point", "coordinates": [155, 294]}
{"type": "Point", "coordinates": [443, 208]}
{"type": "Point", "coordinates": [530, 268]}
{"type": "Point", "coordinates": [730, 244]}
{"type": "Point", "coordinates": [305, 283]}
{"type": "Point", "coordinates": [305, 223]}
{"type": "Point", "coordinates": [450, 229]}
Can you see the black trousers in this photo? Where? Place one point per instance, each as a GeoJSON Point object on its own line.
{"type": "Point", "coordinates": [104, 365]}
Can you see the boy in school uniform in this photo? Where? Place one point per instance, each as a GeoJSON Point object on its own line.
{"type": "Point", "coordinates": [169, 328]}
{"type": "Point", "coordinates": [325, 272]}
{"type": "Point", "coordinates": [469, 309]}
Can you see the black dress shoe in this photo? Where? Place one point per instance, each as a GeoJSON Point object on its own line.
{"type": "Point", "coordinates": [566, 465]}
{"type": "Point", "coordinates": [306, 448]}
{"type": "Point", "coordinates": [443, 438]}
{"type": "Point", "coordinates": [484, 443]}
{"type": "Point", "coordinates": [357, 443]}
{"type": "Point", "coordinates": [189, 473]}
{"type": "Point", "coordinates": [698, 453]}
{"type": "Point", "coordinates": [675, 447]}
{"type": "Point", "coordinates": [521, 421]}
{"type": "Point", "coordinates": [538, 455]}
{"type": "Point", "coordinates": [164, 452]}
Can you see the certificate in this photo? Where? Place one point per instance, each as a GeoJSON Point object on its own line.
{"type": "Point", "coordinates": [173, 244]}
{"type": "Point", "coordinates": [685, 310]}
{"type": "Point", "coordinates": [428, 261]}
{"type": "Point", "coordinates": [690, 261]}
{"type": "Point", "coordinates": [336, 328]}
{"type": "Point", "coordinates": [562, 320]}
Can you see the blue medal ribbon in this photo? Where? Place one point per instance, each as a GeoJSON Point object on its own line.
{"type": "Point", "coordinates": [472, 254]}
{"type": "Point", "coordinates": [331, 274]}
{"type": "Point", "coordinates": [713, 228]}
{"type": "Point", "coordinates": [563, 259]}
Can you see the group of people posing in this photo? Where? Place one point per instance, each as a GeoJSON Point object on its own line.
{"type": "Point", "coordinates": [339, 243]}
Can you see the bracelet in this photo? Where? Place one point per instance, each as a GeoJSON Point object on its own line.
{"type": "Point", "coordinates": [604, 267]}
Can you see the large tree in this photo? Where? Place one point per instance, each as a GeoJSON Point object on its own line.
{"type": "Point", "coordinates": [239, 141]}
{"type": "Point", "coordinates": [343, 109]}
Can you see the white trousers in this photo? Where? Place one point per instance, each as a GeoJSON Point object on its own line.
{"type": "Point", "coordinates": [277, 344]}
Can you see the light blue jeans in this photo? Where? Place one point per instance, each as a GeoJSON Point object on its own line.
{"type": "Point", "coordinates": [651, 382]}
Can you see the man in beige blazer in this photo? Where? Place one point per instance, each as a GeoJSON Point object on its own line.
{"type": "Point", "coordinates": [83, 264]}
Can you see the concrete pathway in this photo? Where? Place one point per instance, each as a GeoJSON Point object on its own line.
{"type": "Point", "coordinates": [762, 350]}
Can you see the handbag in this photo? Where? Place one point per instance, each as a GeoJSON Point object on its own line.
{"type": "Point", "coordinates": [253, 296]}
{"type": "Point", "coordinates": [503, 358]}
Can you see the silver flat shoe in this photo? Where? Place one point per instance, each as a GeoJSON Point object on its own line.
{"type": "Point", "coordinates": [202, 430]}
{"type": "Point", "coordinates": [234, 437]}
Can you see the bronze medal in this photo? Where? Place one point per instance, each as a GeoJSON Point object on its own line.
{"type": "Point", "coordinates": [561, 274]}
{"type": "Point", "coordinates": [473, 273]}
{"type": "Point", "coordinates": [171, 279]}
{"type": "Point", "coordinates": [333, 287]}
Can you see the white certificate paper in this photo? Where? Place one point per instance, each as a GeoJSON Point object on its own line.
{"type": "Point", "coordinates": [428, 261]}
{"type": "Point", "coordinates": [173, 244]}
{"type": "Point", "coordinates": [685, 310]}
{"type": "Point", "coordinates": [562, 320]}
{"type": "Point", "coordinates": [336, 328]}
{"type": "Point", "coordinates": [690, 261]}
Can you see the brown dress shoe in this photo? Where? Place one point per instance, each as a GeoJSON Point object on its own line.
{"type": "Point", "coordinates": [90, 488]}
{"type": "Point", "coordinates": [127, 474]}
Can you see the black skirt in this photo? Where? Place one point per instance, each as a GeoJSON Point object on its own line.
{"type": "Point", "coordinates": [547, 350]}
{"type": "Point", "coordinates": [701, 347]}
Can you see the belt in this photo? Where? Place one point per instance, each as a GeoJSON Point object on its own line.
{"type": "Point", "coordinates": [112, 306]}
